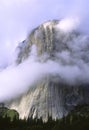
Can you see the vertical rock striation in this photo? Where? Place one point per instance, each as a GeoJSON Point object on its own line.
{"type": "Point", "coordinates": [51, 96]}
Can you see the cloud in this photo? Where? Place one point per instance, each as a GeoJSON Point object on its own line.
{"type": "Point", "coordinates": [70, 65]}
{"type": "Point", "coordinates": [68, 24]}
{"type": "Point", "coordinates": [17, 18]}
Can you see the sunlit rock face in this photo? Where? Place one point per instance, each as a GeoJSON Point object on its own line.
{"type": "Point", "coordinates": [48, 38]}
{"type": "Point", "coordinates": [43, 37]}
{"type": "Point", "coordinates": [51, 96]}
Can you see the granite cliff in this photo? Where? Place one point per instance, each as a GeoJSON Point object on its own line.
{"type": "Point", "coordinates": [52, 96]}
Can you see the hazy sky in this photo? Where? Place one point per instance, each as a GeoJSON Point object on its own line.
{"type": "Point", "coordinates": [18, 17]}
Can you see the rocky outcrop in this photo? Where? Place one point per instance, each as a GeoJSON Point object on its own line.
{"type": "Point", "coordinates": [48, 39]}
{"type": "Point", "coordinates": [51, 96]}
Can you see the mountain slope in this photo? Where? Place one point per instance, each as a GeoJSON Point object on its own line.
{"type": "Point", "coordinates": [54, 94]}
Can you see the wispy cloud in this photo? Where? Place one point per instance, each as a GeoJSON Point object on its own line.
{"type": "Point", "coordinates": [17, 18]}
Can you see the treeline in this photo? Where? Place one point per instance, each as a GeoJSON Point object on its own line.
{"type": "Point", "coordinates": [70, 122]}
{"type": "Point", "coordinates": [75, 120]}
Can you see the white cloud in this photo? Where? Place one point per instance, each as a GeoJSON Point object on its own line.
{"type": "Point", "coordinates": [71, 64]}
{"type": "Point", "coordinates": [68, 24]}
{"type": "Point", "coordinates": [17, 17]}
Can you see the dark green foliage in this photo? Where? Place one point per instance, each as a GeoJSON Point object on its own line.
{"type": "Point", "coordinates": [5, 112]}
{"type": "Point", "coordinates": [77, 119]}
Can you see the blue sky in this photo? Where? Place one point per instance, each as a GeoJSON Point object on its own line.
{"type": "Point", "coordinates": [18, 17]}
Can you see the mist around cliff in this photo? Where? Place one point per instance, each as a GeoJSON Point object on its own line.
{"type": "Point", "coordinates": [71, 66]}
{"type": "Point", "coordinates": [18, 17]}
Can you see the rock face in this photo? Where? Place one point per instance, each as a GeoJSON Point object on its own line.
{"type": "Point", "coordinates": [43, 37]}
{"type": "Point", "coordinates": [47, 38]}
{"type": "Point", "coordinates": [50, 97]}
